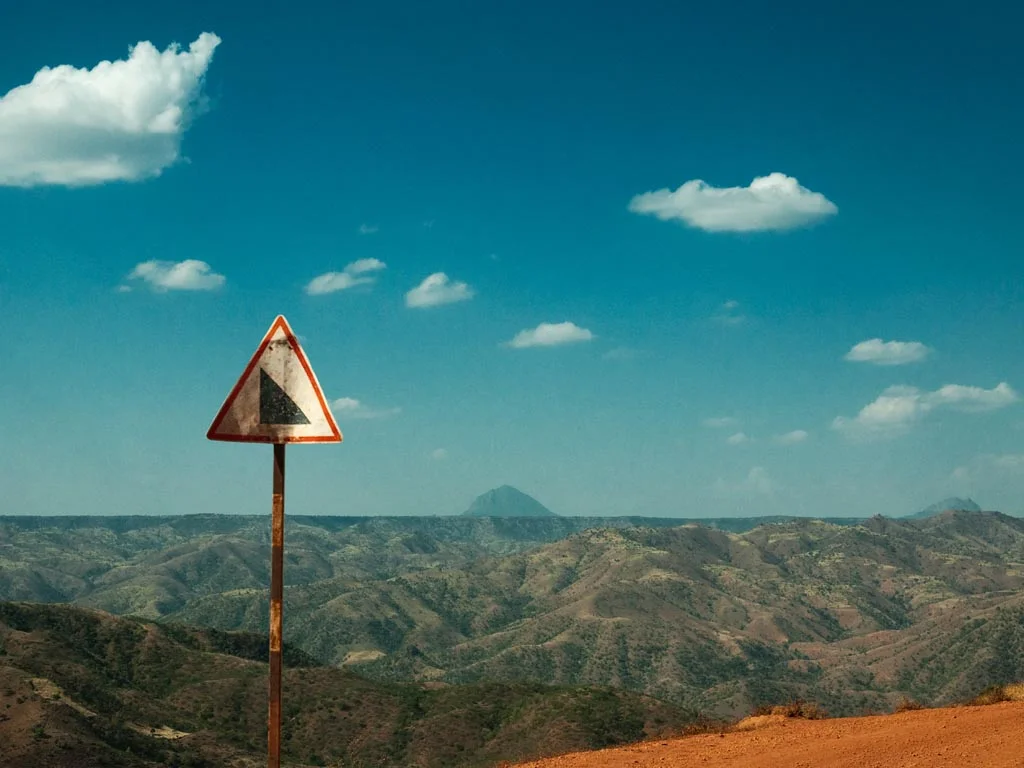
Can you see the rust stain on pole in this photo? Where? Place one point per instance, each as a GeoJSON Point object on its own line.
{"type": "Point", "coordinates": [276, 622]}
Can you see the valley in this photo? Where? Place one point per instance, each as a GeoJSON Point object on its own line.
{"type": "Point", "coordinates": [719, 617]}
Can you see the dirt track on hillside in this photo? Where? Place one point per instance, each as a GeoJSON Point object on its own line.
{"type": "Point", "coordinates": [966, 737]}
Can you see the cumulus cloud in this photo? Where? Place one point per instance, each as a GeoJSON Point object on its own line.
{"type": "Point", "coordinates": [368, 229]}
{"type": "Point", "coordinates": [188, 275]}
{"type": "Point", "coordinates": [439, 454]}
{"type": "Point", "coordinates": [356, 273]}
{"type": "Point", "coordinates": [550, 335]}
{"type": "Point", "coordinates": [720, 422]}
{"type": "Point", "coordinates": [974, 399]}
{"type": "Point", "coordinates": [437, 289]}
{"type": "Point", "coordinates": [792, 438]}
{"type": "Point", "coordinates": [897, 409]}
{"type": "Point", "coordinates": [739, 438]}
{"type": "Point", "coordinates": [119, 121]}
{"type": "Point", "coordinates": [880, 352]}
{"type": "Point", "coordinates": [350, 408]}
{"type": "Point", "coordinates": [772, 202]}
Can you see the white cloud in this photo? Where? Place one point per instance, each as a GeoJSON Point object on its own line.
{"type": "Point", "coordinates": [739, 438]}
{"type": "Point", "coordinates": [354, 274]}
{"type": "Point", "coordinates": [119, 121]}
{"type": "Point", "coordinates": [898, 408]}
{"type": "Point", "coordinates": [368, 229]}
{"type": "Point", "coordinates": [758, 482]}
{"type": "Point", "coordinates": [550, 335]}
{"type": "Point", "coordinates": [772, 202]}
{"type": "Point", "coordinates": [792, 438]}
{"type": "Point", "coordinates": [439, 454]}
{"type": "Point", "coordinates": [881, 352]}
{"type": "Point", "coordinates": [974, 399]}
{"type": "Point", "coordinates": [350, 408]}
{"type": "Point", "coordinates": [720, 422]}
{"type": "Point", "coordinates": [437, 289]}
{"type": "Point", "coordinates": [729, 313]}
{"type": "Point", "coordinates": [361, 266]}
{"type": "Point", "coordinates": [188, 275]}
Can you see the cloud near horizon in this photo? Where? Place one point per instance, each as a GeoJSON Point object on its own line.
{"type": "Point", "coordinates": [119, 121]}
{"type": "Point", "coordinates": [437, 289]}
{"type": "Point", "coordinates": [550, 335]}
{"type": "Point", "coordinates": [356, 273]}
{"type": "Point", "coordinates": [898, 408]}
{"type": "Point", "coordinates": [774, 202]}
{"type": "Point", "coordinates": [350, 408]}
{"type": "Point", "coordinates": [880, 352]}
{"type": "Point", "coordinates": [188, 275]}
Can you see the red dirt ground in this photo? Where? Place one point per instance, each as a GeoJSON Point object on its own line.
{"type": "Point", "coordinates": [965, 737]}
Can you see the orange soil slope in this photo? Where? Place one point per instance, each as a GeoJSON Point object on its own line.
{"type": "Point", "coordinates": [965, 737]}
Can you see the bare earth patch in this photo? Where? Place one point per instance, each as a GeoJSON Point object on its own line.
{"type": "Point", "coordinates": [965, 737]}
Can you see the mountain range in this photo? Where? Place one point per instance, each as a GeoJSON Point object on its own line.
{"type": "Point", "coordinates": [852, 614]}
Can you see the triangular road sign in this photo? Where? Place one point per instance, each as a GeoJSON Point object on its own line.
{"type": "Point", "coordinates": [277, 399]}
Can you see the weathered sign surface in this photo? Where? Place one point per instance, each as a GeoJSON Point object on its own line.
{"type": "Point", "coordinates": [277, 399]}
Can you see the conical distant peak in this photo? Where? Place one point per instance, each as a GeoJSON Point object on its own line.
{"type": "Point", "coordinates": [506, 501]}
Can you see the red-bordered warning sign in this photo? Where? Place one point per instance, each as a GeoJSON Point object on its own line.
{"type": "Point", "coordinates": [277, 399]}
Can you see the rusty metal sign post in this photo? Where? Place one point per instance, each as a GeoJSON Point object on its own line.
{"type": "Point", "coordinates": [276, 400]}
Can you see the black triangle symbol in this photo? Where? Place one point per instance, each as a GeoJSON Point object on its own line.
{"type": "Point", "coordinates": [275, 405]}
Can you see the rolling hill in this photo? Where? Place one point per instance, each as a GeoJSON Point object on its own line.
{"type": "Point", "coordinates": [83, 688]}
{"type": "Point", "coordinates": [853, 616]}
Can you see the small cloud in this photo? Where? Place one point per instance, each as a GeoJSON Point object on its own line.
{"type": "Point", "coordinates": [437, 289]}
{"type": "Point", "coordinates": [368, 229]}
{"type": "Point", "coordinates": [792, 438]}
{"type": "Point", "coordinates": [188, 275]}
{"type": "Point", "coordinates": [123, 289]}
{"type": "Point", "coordinates": [720, 422]}
{"type": "Point", "coordinates": [729, 313]}
{"type": "Point", "coordinates": [350, 408]}
{"type": "Point", "coordinates": [773, 202]}
{"type": "Point", "coordinates": [362, 266]}
{"type": "Point", "coordinates": [119, 121]}
{"type": "Point", "coordinates": [739, 438]}
{"type": "Point", "coordinates": [439, 454]}
{"type": "Point", "coordinates": [621, 353]}
{"type": "Point", "coordinates": [880, 352]}
{"type": "Point", "coordinates": [429, 223]}
{"type": "Point", "coordinates": [897, 409]}
{"type": "Point", "coordinates": [354, 274]}
{"type": "Point", "coordinates": [550, 335]}
{"type": "Point", "coordinates": [758, 482]}
{"type": "Point", "coordinates": [493, 257]}
{"type": "Point", "coordinates": [973, 399]}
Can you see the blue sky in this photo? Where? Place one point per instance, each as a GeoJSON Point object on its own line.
{"type": "Point", "coordinates": [694, 360]}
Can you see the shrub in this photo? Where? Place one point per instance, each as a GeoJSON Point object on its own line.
{"type": "Point", "coordinates": [802, 709]}
{"type": "Point", "coordinates": [994, 694]}
{"type": "Point", "coordinates": [907, 705]}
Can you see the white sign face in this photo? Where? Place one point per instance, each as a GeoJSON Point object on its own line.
{"type": "Point", "coordinates": [277, 399]}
